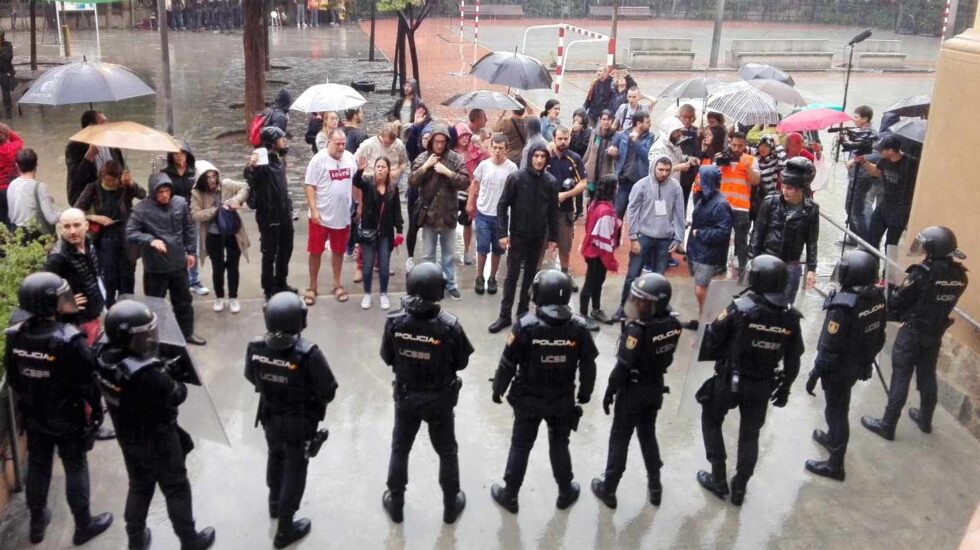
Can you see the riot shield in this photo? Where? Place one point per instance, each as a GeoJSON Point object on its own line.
{"type": "Point", "coordinates": [720, 293]}
{"type": "Point", "coordinates": [894, 268]}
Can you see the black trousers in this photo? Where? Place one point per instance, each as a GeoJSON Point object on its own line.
{"type": "Point", "coordinates": [276, 243]}
{"type": "Point", "coordinates": [752, 403]}
{"type": "Point", "coordinates": [624, 423]}
{"type": "Point", "coordinates": [225, 255]}
{"type": "Point", "coordinates": [913, 353]}
{"type": "Point", "coordinates": [7, 83]}
{"type": "Point", "coordinates": [526, 255]}
{"type": "Point", "coordinates": [442, 434]}
{"type": "Point", "coordinates": [158, 284]}
{"type": "Point", "coordinates": [159, 461]}
{"type": "Point", "coordinates": [285, 472]}
{"type": "Point", "coordinates": [595, 276]}
{"type": "Point", "coordinates": [40, 460]}
{"type": "Point", "coordinates": [741, 223]}
{"type": "Point", "coordinates": [411, 195]}
{"type": "Point", "coordinates": [838, 395]}
{"type": "Point", "coordinates": [879, 228]}
{"type": "Point", "coordinates": [118, 272]}
{"type": "Point", "coordinates": [522, 441]}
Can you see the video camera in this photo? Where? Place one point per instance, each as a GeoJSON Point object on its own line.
{"type": "Point", "coordinates": [725, 158]}
{"type": "Point", "coordinates": [859, 141]}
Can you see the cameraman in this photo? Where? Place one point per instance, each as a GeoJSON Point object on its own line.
{"type": "Point", "coordinates": [739, 173]}
{"type": "Point", "coordinates": [863, 189]}
{"type": "Point", "coordinates": [897, 172]}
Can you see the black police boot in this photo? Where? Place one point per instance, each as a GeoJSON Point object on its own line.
{"type": "Point", "coordinates": [567, 495]}
{"type": "Point", "coordinates": [601, 316]}
{"type": "Point", "coordinates": [718, 485]}
{"type": "Point", "coordinates": [500, 324]}
{"type": "Point", "coordinates": [92, 528]}
{"type": "Point", "coordinates": [273, 509]}
{"type": "Point", "coordinates": [601, 492]}
{"type": "Point", "coordinates": [203, 540]}
{"type": "Point", "coordinates": [393, 504]}
{"type": "Point", "coordinates": [820, 437]}
{"type": "Point", "coordinates": [824, 468]}
{"type": "Point", "coordinates": [39, 524]}
{"type": "Point", "coordinates": [656, 491]}
{"type": "Point", "coordinates": [917, 417]}
{"type": "Point", "coordinates": [453, 507]}
{"type": "Point", "coordinates": [504, 497]}
{"type": "Point", "coordinates": [738, 489]}
{"type": "Point", "coordinates": [879, 427]}
{"type": "Point", "coordinates": [291, 531]}
{"type": "Point", "coordinates": [142, 541]}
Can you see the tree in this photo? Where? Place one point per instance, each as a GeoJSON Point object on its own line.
{"type": "Point", "coordinates": [254, 43]}
{"type": "Point", "coordinates": [411, 14]}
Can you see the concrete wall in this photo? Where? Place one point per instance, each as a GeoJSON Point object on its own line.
{"type": "Point", "coordinates": [948, 194]}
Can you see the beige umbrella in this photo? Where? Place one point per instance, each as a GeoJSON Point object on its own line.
{"type": "Point", "coordinates": [127, 135]}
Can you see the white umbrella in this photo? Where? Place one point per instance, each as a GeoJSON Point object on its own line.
{"type": "Point", "coordinates": [328, 97]}
{"type": "Point", "coordinates": [85, 82]}
{"type": "Point", "coordinates": [743, 103]}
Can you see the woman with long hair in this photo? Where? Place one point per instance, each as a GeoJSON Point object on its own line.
{"type": "Point", "coordinates": [331, 120]}
{"type": "Point", "coordinates": [549, 119]}
{"type": "Point", "coordinates": [602, 231]}
{"type": "Point", "coordinates": [381, 220]}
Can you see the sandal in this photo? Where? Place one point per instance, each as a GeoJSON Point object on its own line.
{"type": "Point", "coordinates": [340, 294]}
{"type": "Point", "coordinates": [309, 297]}
{"type": "Point", "coordinates": [358, 276]}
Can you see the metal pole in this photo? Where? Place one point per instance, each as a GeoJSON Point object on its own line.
{"type": "Point", "coordinates": [716, 34]}
{"type": "Point", "coordinates": [951, 15]}
{"type": "Point", "coordinates": [847, 85]}
{"type": "Point", "coordinates": [168, 103]}
{"type": "Point", "coordinates": [12, 434]}
{"type": "Point", "coordinates": [613, 31]}
{"type": "Point", "coordinates": [374, 9]}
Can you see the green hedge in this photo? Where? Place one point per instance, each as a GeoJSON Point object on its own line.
{"type": "Point", "coordinates": [17, 260]}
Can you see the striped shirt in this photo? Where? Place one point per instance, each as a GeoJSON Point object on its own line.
{"type": "Point", "coordinates": [769, 168]}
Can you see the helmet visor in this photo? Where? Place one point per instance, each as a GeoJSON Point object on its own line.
{"type": "Point", "coordinates": [144, 340]}
{"type": "Point", "coordinates": [637, 308]}
{"type": "Point", "coordinates": [918, 247]}
{"type": "Point", "coordinates": [66, 301]}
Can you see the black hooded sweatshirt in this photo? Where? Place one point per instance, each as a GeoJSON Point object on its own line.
{"type": "Point", "coordinates": [528, 207]}
{"type": "Point", "coordinates": [182, 184]}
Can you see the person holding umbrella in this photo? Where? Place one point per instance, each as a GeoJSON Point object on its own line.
{"type": "Point", "coordinates": [84, 161]}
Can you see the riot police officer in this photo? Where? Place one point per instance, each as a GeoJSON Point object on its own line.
{"type": "Point", "coordinates": [747, 341]}
{"type": "Point", "coordinates": [853, 334]}
{"type": "Point", "coordinates": [544, 351]}
{"type": "Point", "coordinates": [425, 347]}
{"type": "Point", "coordinates": [296, 384]}
{"type": "Point", "coordinates": [636, 384]}
{"type": "Point", "coordinates": [143, 398]}
{"type": "Point", "coordinates": [51, 370]}
{"type": "Point", "coordinates": [923, 304]}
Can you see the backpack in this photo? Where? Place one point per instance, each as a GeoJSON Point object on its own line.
{"type": "Point", "coordinates": [259, 121]}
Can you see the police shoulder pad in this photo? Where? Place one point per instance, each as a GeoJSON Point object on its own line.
{"type": "Point", "coordinates": [397, 314]}
{"type": "Point", "coordinates": [448, 318]}
{"type": "Point", "coordinates": [920, 266]}
{"type": "Point", "coordinates": [797, 314]}
{"type": "Point", "coordinates": [303, 346]}
{"type": "Point", "coordinates": [578, 321]}
{"type": "Point", "coordinates": [530, 320]}
{"type": "Point", "coordinates": [132, 365]}
{"type": "Point", "coordinates": [67, 332]}
{"type": "Point", "coordinates": [14, 328]}
{"type": "Point", "coordinates": [842, 299]}
{"type": "Point", "coordinates": [744, 304]}
{"type": "Point", "coordinates": [257, 341]}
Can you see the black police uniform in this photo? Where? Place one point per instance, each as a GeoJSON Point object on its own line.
{"type": "Point", "coordinates": [296, 385]}
{"type": "Point", "coordinates": [853, 334]}
{"type": "Point", "coordinates": [542, 357]}
{"type": "Point", "coordinates": [646, 349]}
{"type": "Point", "coordinates": [52, 371]}
{"type": "Point", "coordinates": [425, 347]}
{"type": "Point", "coordinates": [747, 340]}
{"type": "Point", "coordinates": [143, 398]}
{"type": "Point", "coordinates": [923, 303]}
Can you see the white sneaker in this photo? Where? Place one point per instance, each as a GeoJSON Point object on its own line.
{"type": "Point", "coordinates": [200, 290]}
{"type": "Point", "coordinates": [409, 264]}
{"type": "Point", "coordinates": [219, 305]}
{"type": "Point", "coordinates": [385, 304]}
{"type": "Point", "coordinates": [234, 306]}
{"type": "Point", "coordinates": [366, 302]}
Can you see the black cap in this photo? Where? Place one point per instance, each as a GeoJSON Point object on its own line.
{"type": "Point", "coordinates": [891, 141]}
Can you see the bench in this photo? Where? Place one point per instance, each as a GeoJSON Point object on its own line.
{"type": "Point", "coordinates": [605, 12]}
{"type": "Point", "coordinates": [495, 10]}
{"type": "Point", "coordinates": [785, 53]}
{"type": "Point", "coordinates": [880, 54]}
{"type": "Point", "coordinates": [660, 53]}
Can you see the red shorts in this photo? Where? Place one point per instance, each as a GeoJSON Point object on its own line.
{"type": "Point", "coordinates": [316, 242]}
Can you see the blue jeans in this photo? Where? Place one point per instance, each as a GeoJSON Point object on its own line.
{"type": "Point", "coordinates": [300, 14]}
{"type": "Point", "coordinates": [383, 253]}
{"type": "Point", "coordinates": [795, 270]}
{"type": "Point", "coordinates": [623, 199]}
{"type": "Point", "coordinates": [486, 235]}
{"type": "Point", "coordinates": [652, 252]}
{"type": "Point", "coordinates": [446, 239]}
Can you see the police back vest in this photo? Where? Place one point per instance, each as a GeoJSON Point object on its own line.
{"type": "Point", "coordinates": [424, 351]}
{"type": "Point", "coordinates": [865, 335]}
{"type": "Point", "coordinates": [553, 353]}
{"type": "Point", "coordinates": [46, 391]}
{"type": "Point", "coordinates": [659, 341]}
{"type": "Point", "coordinates": [130, 388]}
{"type": "Point", "coordinates": [944, 282]}
{"type": "Point", "coordinates": [761, 337]}
{"type": "Point", "coordinates": [281, 376]}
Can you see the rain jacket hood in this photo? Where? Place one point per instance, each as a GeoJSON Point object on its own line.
{"type": "Point", "coordinates": [202, 167]}
{"type": "Point", "coordinates": [710, 180]}
{"type": "Point", "coordinates": [171, 165]}
{"type": "Point", "coordinates": [157, 181]}
{"type": "Point", "coordinates": [530, 154]}
{"type": "Point", "coordinates": [438, 129]}
{"type": "Point", "coordinates": [662, 159]}
{"type": "Point", "coordinates": [283, 100]}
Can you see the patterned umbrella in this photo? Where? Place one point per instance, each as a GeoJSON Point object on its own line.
{"type": "Point", "coordinates": [512, 69]}
{"type": "Point", "coordinates": [743, 103]}
{"type": "Point", "coordinates": [85, 82]}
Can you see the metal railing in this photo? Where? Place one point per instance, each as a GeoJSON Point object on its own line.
{"type": "Point", "coordinates": [6, 394]}
{"type": "Point", "coordinates": [874, 250]}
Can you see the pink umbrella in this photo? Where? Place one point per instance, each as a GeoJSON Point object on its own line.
{"type": "Point", "coordinates": [813, 119]}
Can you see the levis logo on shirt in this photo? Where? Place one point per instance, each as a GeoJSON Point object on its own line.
{"type": "Point", "coordinates": [339, 174]}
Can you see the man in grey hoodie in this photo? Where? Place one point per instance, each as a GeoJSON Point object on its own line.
{"type": "Point", "coordinates": [655, 218]}
{"type": "Point", "coordinates": [162, 227]}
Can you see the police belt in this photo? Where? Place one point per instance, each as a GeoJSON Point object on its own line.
{"type": "Point", "coordinates": [404, 387]}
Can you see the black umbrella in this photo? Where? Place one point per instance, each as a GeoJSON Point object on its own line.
{"type": "Point", "coordinates": [698, 87]}
{"type": "Point", "coordinates": [916, 105]}
{"type": "Point", "coordinates": [913, 129]}
{"type": "Point", "coordinates": [752, 71]}
{"type": "Point", "coordinates": [512, 69]}
{"type": "Point", "coordinates": [483, 99]}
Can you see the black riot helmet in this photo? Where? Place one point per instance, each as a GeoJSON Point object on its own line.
{"type": "Point", "coordinates": [551, 291]}
{"type": "Point", "coordinates": [798, 172]}
{"type": "Point", "coordinates": [285, 319]}
{"type": "Point", "coordinates": [856, 268]}
{"type": "Point", "coordinates": [131, 326]}
{"type": "Point", "coordinates": [936, 242]}
{"type": "Point", "coordinates": [649, 296]}
{"type": "Point", "coordinates": [426, 282]}
{"type": "Point", "coordinates": [45, 295]}
{"type": "Point", "coordinates": [768, 276]}
{"type": "Point", "coordinates": [268, 136]}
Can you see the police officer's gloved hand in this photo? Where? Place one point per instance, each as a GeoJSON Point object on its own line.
{"type": "Point", "coordinates": [811, 383]}
{"type": "Point", "coordinates": [496, 398]}
{"type": "Point", "coordinates": [780, 397]}
{"type": "Point", "coordinates": [607, 402]}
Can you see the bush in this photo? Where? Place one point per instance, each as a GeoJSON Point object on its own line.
{"type": "Point", "coordinates": [17, 260]}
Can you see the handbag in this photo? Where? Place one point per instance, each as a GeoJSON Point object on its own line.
{"type": "Point", "coordinates": [228, 221]}
{"type": "Point", "coordinates": [370, 236]}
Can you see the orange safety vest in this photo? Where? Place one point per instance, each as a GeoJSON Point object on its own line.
{"type": "Point", "coordinates": [734, 183]}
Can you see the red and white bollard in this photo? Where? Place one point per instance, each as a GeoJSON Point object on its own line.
{"type": "Point", "coordinates": [560, 61]}
{"type": "Point", "coordinates": [462, 5]}
{"type": "Point", "coordinates": [942, 36]}
{"type": "Point", "coordinates": [476, 23]}
{"type": "Point", "coordinates": [611, 51]}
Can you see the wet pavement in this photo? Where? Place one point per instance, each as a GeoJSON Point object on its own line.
{"type": "Point", "coordinates": [915, 492]}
